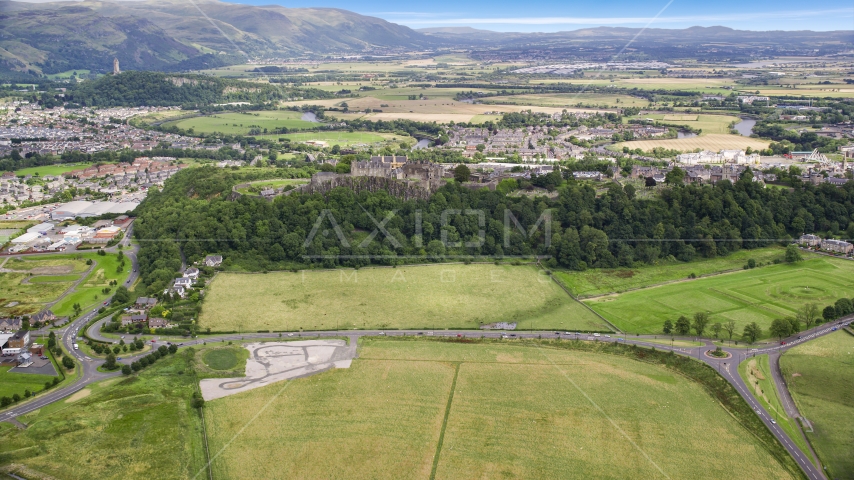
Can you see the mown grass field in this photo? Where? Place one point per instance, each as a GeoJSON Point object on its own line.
{"type": "Point", "coordinates": [414, 297]}
{"type": "Point", "coordinates": [136, 427]}
{"type": "Point", "coordinates": [51, 169]}
{"type": "Point", "coordinates": [756, 373]}
{"type": "Point", "coordinates": [516, 412]}
{"type": "Point", "coordinates": [820, 375]}
{"type": "Point", "coordinates": [241, 123]}
{"type": "Point", "coordinates": [759, 295]}
{"type": "Point", "coordinates": [602, 281]}
{"type": "Point", "coordinates": [14, 382]}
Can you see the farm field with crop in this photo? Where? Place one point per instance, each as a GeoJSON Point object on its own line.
{"type": "Point", "coordinates": [414, 297]}
{"type": "Point", "coordinates": [602, 281]}
{"type": "Point", "coordinates": [343, 139]}
{"type": "Point", "coordinates": [759, 295]}
{"type": "Point", "coordinates": [241, 123]}
{"type": "Point", "coordinates": [714, 142]}
{"type": "Point", "coordinates": [572, 100]}
{"type": "Point", "coordinates": [140, 427]}
{"type": "Point", "coordinates": [819, 374]}
{"type": "Point", "coordinates": [421, 408]}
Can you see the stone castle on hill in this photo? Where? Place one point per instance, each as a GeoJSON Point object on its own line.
{"type": "Point", "coordinates": [428, 175]}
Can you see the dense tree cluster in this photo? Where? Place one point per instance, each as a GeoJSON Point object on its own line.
{"type": "Point", "coordinates": [194, 216]}
{"type": "Point", "coordinates": [137, 88]}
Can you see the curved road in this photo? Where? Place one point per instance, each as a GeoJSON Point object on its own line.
{"type": "Point", "coordinates": [728, 367]}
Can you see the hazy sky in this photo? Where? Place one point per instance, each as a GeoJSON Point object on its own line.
{"type": "Point", "coordinates": [555, 15]}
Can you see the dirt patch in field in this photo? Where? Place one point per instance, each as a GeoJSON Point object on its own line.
{"type": "Point", "coordinates": [796, 374]}
{"type": "Point", "coordinates": [276, 361]}
{"type": "Point", "coordinates": [79, 395]}
{"type": "Point", "coordinates": [54, 270]}
{"type": "Point", "coordinates": [625, 274]}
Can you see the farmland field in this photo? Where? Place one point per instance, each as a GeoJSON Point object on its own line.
{"type": "Point", "coordinates": [341, 138]}
{"type": "Point", "coordinates": [714, 142]}
{"type": "Point", "coordinates": [139, 427]}
{"type": "Point", "coordinates": [415, 297]}
{"type": "Point", "coordinates": [820, 375]}
{"type": "Point", "coordinates": [601, 281]}
{"type": "Point", "coordinates": [516, 411]}
{"type": "Point", "coordinates": [759, 295]}
{"type": "Point", "coordinates": [241, 123]}
{"type": "Point", "coordinates": [573, 99]}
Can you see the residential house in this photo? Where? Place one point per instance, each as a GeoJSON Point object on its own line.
{"type": "Point", "coordinates": [46, 316]}
{"type": "Point", "coordinates": [213, 260]}
{"type": "Point", "coordinates": [157, 323]}
{"type": "Point", "coordinates": [131, 319]}
{"type": "Point", "coordinates": [810, 240]}
{"type": "Point", "coordinates": [146, 302]}
{"type": "Point", "coordinates": [10, 324]}
{"type": "Point", "coordinates": [192, 273]}
{"type": "Point", "coordinates": [183, 282]}
{"type": "Point", "coordinates": [837, 246]}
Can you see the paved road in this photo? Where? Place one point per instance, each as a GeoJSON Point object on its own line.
{"type": "Point", "coordinates": [728, 367]}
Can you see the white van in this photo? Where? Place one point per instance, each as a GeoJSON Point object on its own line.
{"type": "Point", "coordinates": [75, 346]}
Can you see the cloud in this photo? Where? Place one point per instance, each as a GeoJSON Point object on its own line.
{"type": "Point", "coordinates": [623, 20]}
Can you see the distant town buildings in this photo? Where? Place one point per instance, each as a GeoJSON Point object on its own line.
{"type": "Point", "coordinates": [738, 157]}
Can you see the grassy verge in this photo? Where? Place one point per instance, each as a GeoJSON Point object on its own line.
{"type": "Point", "coordinates": [756, 373]}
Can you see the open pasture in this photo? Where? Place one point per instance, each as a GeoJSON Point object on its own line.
{"type": "Point", "coordinates": [819, 375]}
{"type": "Point", "coordinates": [709, 124]}
{"type": "Point", "coordinates": [760, 295]}
{"type": "Point", "coordinates": [54, 170]}
{"type": "Point", "coordinates": [236, 123]}
{"type": "Point", "coordinates": [412, 297]}
{"type": "Point", "coordinates": [599, 281]}
{"type": "Point", "coordinates": [424, 409]}
{"type": "Point", "coordinates": [714, 142]}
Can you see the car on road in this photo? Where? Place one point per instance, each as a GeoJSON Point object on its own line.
{"type": "Point", "coordinates": [290, 334]}
{"type": "Point", "coordinates": [381, 333]}
{"type": "Point", "coordinates": [596, 335]}
{"type": "Point", "coordinates": [783, 342]}
{"type": "Point", "coordinates": [833, 329]}
{"type": "Point", "coordinates": [75, 346]}
{"type": "Point", "coordinates": [619, 339]}
{"type": "Point", "coordinates": [773, 422]}
{"type": "Point", "coordinates": [118, 358]}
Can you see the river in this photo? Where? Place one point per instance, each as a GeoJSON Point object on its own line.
{"type": "Point", "coordinates": [423, 143]}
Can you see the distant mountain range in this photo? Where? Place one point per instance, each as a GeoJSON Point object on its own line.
{"type": "Point", "coordinates": [164, 34]}
{"type": "Point", "coordinates": [173, 35]}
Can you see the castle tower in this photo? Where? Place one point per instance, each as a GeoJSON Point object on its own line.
{"type": "Point", "coordinates": [116, 69]}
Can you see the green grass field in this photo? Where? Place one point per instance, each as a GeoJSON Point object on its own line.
{"type": "Point", "coordinates": [344, 139]}
{"type": "Point", "coordinates": [51, 169]}
{"type": "Point", "coordinates": [13, 382]}
{"type": "Point", "coordinates": [516, 411]}
{"type": "Point", "coordinates": [89, 293]}
{"type": "Point", "coordinates": [756, 373]}
{"type": "Point", "coordinates": [221, 359]}
{"type": "Point", "coordinates": [416, 297]}
{"type": "Point", "coordinates": [241, 123]}
{"type": "Point", "coordinates": [274, 184]}
{"type": "Point", "coordinates": [759, 295]}
{"type": "Point", "coordinates": [603, 281]}
{"type": "Point", "coordinates": [136, 427]}
{"type": "Point", "coordinates": [820, 375]}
